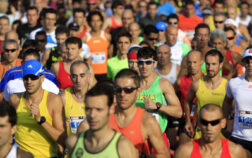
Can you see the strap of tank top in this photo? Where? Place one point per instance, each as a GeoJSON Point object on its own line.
{"type": "Point", "coordinates": [196, 150]}
{"type": "Point", "coordinates": [229, 57]}
{"type": "Point", "coordinates": [88, 36]}
{"type": "Point", "coordinates": [113, 22]}
{"type": "Point", "coordinates": [225, 149]}
{"type": "Point", "coordinates": [103, 35]}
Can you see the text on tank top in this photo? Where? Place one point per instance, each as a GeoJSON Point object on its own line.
{"type": "Point", "coordinates": [74, 112]}
{"type": "Point", "coordinates": [132, 131]}
{"type": "Point", "coordinates": [224, 154]}
{"type": "Point", "coordinates": [155, 94]}
{"type": "Point", "coordinates": [31, 136]}
{"type": "Point", "coordinates": [64, 77]}
{"type": "Point", "coordinates": [206, 96]}
{"type": "Point", "coordinates": [99, 51]}
{"type": "Point", "coordinates": [109, 151]}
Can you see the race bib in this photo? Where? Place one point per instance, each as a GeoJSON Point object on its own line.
{"type": "Point", "coordinates": [98, 58]}
{"type": "Point", "coordinates": [75, 121]}
{"type": "Point", "coordinates": [245, 118]}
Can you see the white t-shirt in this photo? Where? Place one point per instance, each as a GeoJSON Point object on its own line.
{"type": "Point", "coordinates": [172, 76]}
{"type": "Point", "coordinates": [176, 53]}
{"type": "Point", "coordinates": [17, 86]}
{"type": "Point", "coordinates": [246, 21]}
{"type": "Point", "coordinates": [241, 91]}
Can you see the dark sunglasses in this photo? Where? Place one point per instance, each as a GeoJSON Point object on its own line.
{"type": "Point", "coordinates": [10, 50]}
{"type": "Point", "coordinates": [213, 123]}
{"type": "Point", "coordinates": [32, 77]}
{"type": "Point", "coordinates": [218, 22]}
{"type": "Point", "coordinates": [126, 90]}
{"type": "Point", "coordinates": [172, 23]}
{"type": "Point", "coordinates": [230, 38]}
{"type": "Point", "coordinates": [147, 62]}
{"type": "Point", "coordinates": [152, 39]}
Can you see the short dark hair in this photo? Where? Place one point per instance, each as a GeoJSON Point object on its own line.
{"type": "Point", "coordinates": [79, 10]}
{"type": "Point", "coordinates": [133, 49]}
{"type": "Point", "coordinates": [5, 17]}
{"type": "Point", "coordinates": [31, 51]}
{"type": "Point", "coordinates": [219, 2]}
{"type": "Point", "coordinates": [150, 29]}
{"type": "Point", "coordinates": [61, 29]}
{"type": "Point", "coordinates": [91, 14]}
{"type": "Point", "coordinates": [243, 2]}
{"type": "Point", "coordinates": [116, 4]}
{"type": "Point", "coordinates": [188, 2]}
{"type": "Point", "coordinates": [78, 62]}
{"type": "Point", "coordinates": [151, 3]}
{"type": "Point", "coordinates": [51, 11]}
{"type": "Point", "coordinates": [172, 16]}
{"type": "Point", "coordinates": [229, 29]}
{"type": "Point", "coordinates": [10, 111]}
{"type": "Point", "coordinates": [200, 26]}
{"type": "Point", "coordinates": [42, 32]}
{"type": "Point", "coordinates": [76, 1]}
{"type": "Point", "coordinates": [29, 43]}
{"type": "Point", "coordinates": [214, 52]}
{"type": "Point", "coordinates": [32, 8]}
{"type": "Point", "coordinates": [124, 34]}
{"type": "Point", "coordinates": [74, 40]}
{"type": "Point", "coordinates": [147, 52]}
{"type": "Point", "coordinates": [102, 89]}
{"type": "Point", "coordinates": [129, 73]}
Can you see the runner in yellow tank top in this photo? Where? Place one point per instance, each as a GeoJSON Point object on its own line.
{"type": "Point", "coordinates": [40, 122]}
{"type": "Point", "coordinates": [73, 97]}
{"type": "Point", "coordinates": [210, 89]}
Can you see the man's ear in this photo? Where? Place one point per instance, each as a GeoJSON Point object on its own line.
{"type": "Point", "coordinates": [223, 123]}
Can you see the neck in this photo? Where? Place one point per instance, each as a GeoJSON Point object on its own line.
{"type": "Point", "coordinates": [48, 30]}
{"type": "Point", "coordinates": [149, 79]}
{"type": "Point", "coordinates": [80, 93]}
{"type": "Point", "coordinates": [96, 32]}
{"type": "Point", "coordinates": [71, 61]}
{"type": "Point", "coordinates": [98, 136]}
{"type": "Point", "coordinates": [32, 25]}
{"type": "Point", "coordinates": [196, 76]}
{"type": "Point", "coordinates": [212, 146]}
{"type": "Point", "coordinates": [4, 150]}
{"type": "Point", "coordinates": [122, 56]}
{"type": "Point", "coordinates": [214, 79]}
{"type": "Point", "coordinates": [34, 97]}
{"type": "Point", "coordinates": [126, 113]}
{"type": "Point", "coordinates": [165, 67]}
{"type": "Point", "coordinates": [11, 64]}
{"type": "Point", "coordinates": [248, 78]}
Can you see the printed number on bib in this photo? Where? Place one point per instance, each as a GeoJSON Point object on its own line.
{"type": "Point", "coordinates": [98, 58]}
{"type": "Point", "coordinates": [245, 118]}
{"type": "Point", "coordinates": [75, 121]}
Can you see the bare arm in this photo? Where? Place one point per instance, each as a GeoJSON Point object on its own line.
{"type": "Point", "coordinates": [227, 106]}
{"type": "Point", "coordinates": [237, 151]}
{"type": "Point", "coordinates": [45, 57]}
{"type": "Point", "coordinates": [229, 68]}
{"type": "Point", "coordinates": [126, 149]}
{"type": "Point", "coordinates": [183, 68]}
{"type": "Point", "coordinates": [110, 50]}
{"type": "Point", "coordinates": [151, 127]}
{"type": "Point", "coordinates": [14, 100]}
{"type": "Point", "coordinates": [55, 68]}
{"type": "Point", "coordinates": [107, 24]}
{"type": "Point", "coordinates": [70, 143]}
{"type": "Point", "coordinates": [184, 151]}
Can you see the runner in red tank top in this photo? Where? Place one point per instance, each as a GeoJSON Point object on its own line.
{"type": "Point", "coordinates": [135, 124]}
{"type": "Point", "coordinates": [211, 122]}
{"type": "Point", "coordinates": [63, 77]}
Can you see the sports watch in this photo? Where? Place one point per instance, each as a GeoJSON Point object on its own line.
{"type": "Point", "coordinates": [158, 105]}
{"type": "Point", "coordinates": [42, 120]}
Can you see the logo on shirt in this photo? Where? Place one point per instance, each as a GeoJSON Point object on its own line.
{"type": "Point", "coordinates": [30, 66]}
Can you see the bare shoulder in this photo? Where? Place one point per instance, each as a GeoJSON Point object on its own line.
{"type": "Point", "coordinates": [236, 150]}
{"type": "Point", "coordinates": [149, 121]}
{"type": "Point", "coordinates": [15, 99]}
{"type": "Point", "coordinates": [184, 151]}
{"type": "Point", "coordinates": [23, 154]}
{"type": "Point", "coordinates": [108, 36]}
{"type": "Point", "coordinates": [55, 68]}
{"type": "Point", "coordinates": [126, 148]}
{"type": "Point", "coordinates": [63, 96]}
{"type": "Point", "coordinates": [195, 85]}
{"type": "Point", "coordinates": [54, 101]}
{"type": "Point", "coordinates": [165, 84]}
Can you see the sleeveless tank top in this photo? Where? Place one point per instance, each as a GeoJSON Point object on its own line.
{"type": "Point", "coordinates": [230, 61]}
{"type": "Point", "coordinates": [13, 152]}
{"type": "Point", "coordinates": [172, 76]}
{"type": "Point", "coordinates": [155, 94]}
{"type": "Point", "coordinates": [206, 96]}
{"type": "Point", "coordinates": [99, 51]}
{"type": "Point", "coordinates": [64, 77]}
{"type": "Point", "coordinates": [74, 112]}
{"type": "Point", "coordinates": [31, 136]}
{"type": "Point", "coordinates": [224, 154]}
{"type": "Point", "coordinates": [114, 24]}
{"type": "Point", "coordinates": [132, 131]}
{"type": "Point", "coordinates": [110, 150]}
{"type": "Point", "coordinates": [53, 58]}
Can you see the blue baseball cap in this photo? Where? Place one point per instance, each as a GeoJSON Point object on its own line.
{"type": "Point", "coordinates": [161, 26]}
{"type": "Point", "coordinates": [32, 67]}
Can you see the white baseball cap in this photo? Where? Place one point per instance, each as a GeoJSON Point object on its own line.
{"type": "Point", "coordinates": [247, 53]}
{"type": "Point", "coordinates": [230, 21]}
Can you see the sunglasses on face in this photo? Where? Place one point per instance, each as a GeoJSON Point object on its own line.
{"type": "Point", "coordinates": [219, 22]}
{"type": "Point", "coordinates": [126, 90]}
{"type": "Point", "coordinates": [172, 23]}
{"type": "Point", "coordinates": [42, 40]}
{"type": "Point", "coordinates": [32, 77]}
{"type": "Point", "coordinates": [147, 62]}
{"type": "Point", "coordinates": [230, 38]}
{"type": "Point", "coordinates": [10, 50]}
{"type": "Point", "coordinates": [213, 123]}
{"type": "Point", "coordinates": [153, 39]}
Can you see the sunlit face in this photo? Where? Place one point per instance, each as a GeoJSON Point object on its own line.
{"type": "Point", "coordinates": [163, 55]}
{"type": "Point", "coordinates": [4, 26]}
{"type": "Point", "coordinates": [211, 132]}
{"type": "Point", "coordinates": [189, 10]}
{"type": "Point", "coordinates": [213, 65]}
{"type": "Point", "coordinates": [152, 10]}
{"type": "Point", "coordinates": [219, 22]}
{"type": "Point", "coordinates": [173, 22]}
{"type": "Point", "coordinates": [61, 38]}
{"type": "Point", "coordinates": [231, 38]}
{"type": "Point", "coordinates": [6, 131]}
{"type": "Point", "coordinates": [32, 83]}
{"type": "Point", "coordinates": [202, 37]}
{"type": "Point", "coordinates": [80, 76]}
{"type": "Point", "coordinates": [194, 62]}
{"type": "Point", "coordinates": [32, 16]}
{"type": "Point", "coordinates": [244, 9]}
{"type": "Point", "coordinates": [50, 21]}
{"type": "Point", "coordinates": [96, 22]}
{"type": "Point", "coordinates": [171, 35]}
{"type": "Point", "coordinates": [145, 69]}
{"type": "Point", "coordinates": [232, 13]}
{"type": "Point", "coordinates": [11, 52]}
{"type": "Point", "coordinates": [247, 62]}
{"type": "Point", "coordinates": [134, 30]}
{"type": "Point", "coordinates": [79, 18]}
{"type": "Point", "coordinates": [133, 65]}
{"type": "Point", "coordinates": [152, 39]}
{"type": "Point", "coordinates": [97, 112]}
{"type": "Point", "coordinates": [218, 7]}
{"type": "Point", "coordinates": [73, 51]}
{"type": "Point", "coordinates": [127, 18]}
{"type": "Point", "coordinates": [218, 43]}
{"type": "Point", "coordinates": [123, 44]}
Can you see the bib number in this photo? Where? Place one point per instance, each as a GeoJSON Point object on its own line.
{"type": "Point", "coordinates": [245, 118]}
{"type": "Point", "coordinates": [75, 121]}
{"type": "Point", "coordinates": [98, 58]}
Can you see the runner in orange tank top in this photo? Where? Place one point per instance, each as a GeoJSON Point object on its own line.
{"type": "Point", "coordinates": [134, 123]}
{"type": "Point", "coordinates": [211, 122]}
{"type": "Point", "coordinates": [98, 42]}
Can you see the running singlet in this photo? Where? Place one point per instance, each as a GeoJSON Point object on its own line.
{"type": "Point", "coordinates": [114, 24]}
{"type": "Point", "coordinates": [224, 154]}
{"type": "Point", "coordinates": [241, 91]}
{"type": "Point", "coordinates": [155, 94]}
{"type": "Point", "coordinates": [132, 131]}
{"type": "Point", "coordinates": [171, 76]}
{"type": "Point", "coordinates": [13, 152]}
{"type": "Point", "coordinates": [110, 150]}
{"type": "Point", "coordinates": [99, 51]}
{"type": "Point", "coordinates": [3, 69]}
{"type": "Point", "coordinates": [74, 112]}
{"type": "Point", "coordinates": [64, 77]}
{"type": "Point", "coordinates": [53, 58]}
{"type": "Point", "coordinates": [31, 136]}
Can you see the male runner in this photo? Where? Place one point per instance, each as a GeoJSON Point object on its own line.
{"type": "Point", "coordinates": [133, 122]}
{"type": "Point", "coordinates": [100, 140]}
{"type": "Point", "coordinates": [211, 121]}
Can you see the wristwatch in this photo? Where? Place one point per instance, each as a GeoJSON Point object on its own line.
{"type": "Point", "coordinates": [42, 120]}
{"type": "Point", "coordinates": [158, 105]}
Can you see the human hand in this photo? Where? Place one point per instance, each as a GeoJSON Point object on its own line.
{"type": "Point", "coordinates": [149, 104]}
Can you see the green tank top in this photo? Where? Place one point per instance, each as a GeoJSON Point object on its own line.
{"type": "Point", "coordinates": [156, 95]}
{"type": "Point", "coordinates": [109, 151]}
